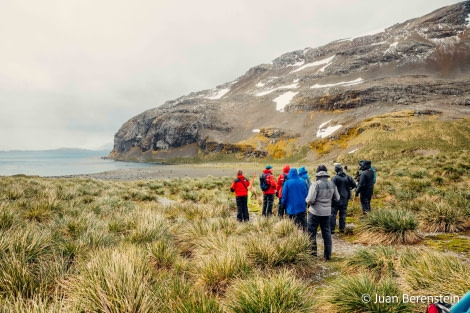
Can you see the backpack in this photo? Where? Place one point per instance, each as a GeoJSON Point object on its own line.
{"type": "Point", "coordinates": [375, 173]}
{"type": "Point", "coordinates": [439, 307]}
{"type": "Point", "coordinates": [263, 183]}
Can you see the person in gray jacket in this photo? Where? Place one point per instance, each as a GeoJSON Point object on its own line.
{"type": "Point", "coordinates": [319, 198]}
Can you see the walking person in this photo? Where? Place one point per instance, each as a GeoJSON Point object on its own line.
{"type": "Point", "coordinates": [294, 193]}
{"type": "Point", "coordinates": [281, 179]}
{"type": "Point", "coordinates": [365, 187]}
{"type": "Point", "coordinates": [268, 186]}
{"type": "Point", "coordinates": [319, 198]}
{"type": "Point", "coordinates": [240, 187]}
{"type": "Point", "coordinates": [345, 184]}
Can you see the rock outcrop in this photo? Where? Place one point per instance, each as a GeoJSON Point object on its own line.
{"type": "Point", "coordinates": [303, 95]}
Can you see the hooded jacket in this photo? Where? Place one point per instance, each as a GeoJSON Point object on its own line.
{"type": "Point", "coordinates": [240, 186]}
{"type": "Point", "coordinates": [320, 195]}
{"type": "Point", "coordinates": [344, 183]}
{"type": "Point", "coordinates": [271, 181]}
{"type": "Point", "coordinates": [281, 180]}
{"type": "Point", "coordinates": [365, 187]}
{"type": "Point", "coordinates": [294, 193]}
{"type": "Point", "coordinates": [304, 175]}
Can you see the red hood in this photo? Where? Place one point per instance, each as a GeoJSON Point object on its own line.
{"type": "Point", "coordinates": [265, 171]}
{"type": "Point", "coordinates": [240, 177]}
{"type": "Point", "coordinates": [286, 169]}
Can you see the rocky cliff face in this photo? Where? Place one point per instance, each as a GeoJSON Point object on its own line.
{"type": "Point", "coordinates": [310, 94]}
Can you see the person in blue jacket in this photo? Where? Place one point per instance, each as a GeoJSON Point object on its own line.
{"type": "Point", "coordinates": [463, 306]}
{"type": "Point", "coordinates": [294, 193]}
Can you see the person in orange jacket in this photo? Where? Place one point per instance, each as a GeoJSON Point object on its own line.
{"type": "Point", "coordinates": [281, 210]}
{"type": "Point", "coordinates": [240, 187]}
{"type": "Point", "coordinates": [268, 194]}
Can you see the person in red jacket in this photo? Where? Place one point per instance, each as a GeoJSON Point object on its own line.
{"type": "Point", "coordinates": [280, 182]}
{"type": "Point", "coordinates": [240, 187]}
{"type": "Point", "coordinates": [268, 195]}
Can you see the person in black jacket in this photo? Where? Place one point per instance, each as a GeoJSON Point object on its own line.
{"type": "Point", "coordinates": [344, 183]}
{"type": "Point", "coordinates": [365, 187]}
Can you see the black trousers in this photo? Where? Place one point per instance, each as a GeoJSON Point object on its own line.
{"type": "Point", "coordinates": [365, 203]}
{"type": "Point", "coordinates": [281, 209]}
{"type": "Point", "coordinates": [313, 221]}
{"type": "Point", "coordinates": [242, 206]}
{"type": "Point", "coordinates": [342, 217]}
{"type": "Point", "coordinates": [268, 202]}
{"type": "Point", "coordinates": [299, 219]}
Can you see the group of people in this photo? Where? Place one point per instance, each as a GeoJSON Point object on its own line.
{"type": "Point", "coordinates": [309, 204]}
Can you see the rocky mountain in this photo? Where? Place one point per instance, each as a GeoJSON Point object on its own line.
{"type": "Point", "coordinates": [314, 94]}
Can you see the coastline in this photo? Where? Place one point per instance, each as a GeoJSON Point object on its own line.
{"type": "Point", "coordinates": [176, 171]}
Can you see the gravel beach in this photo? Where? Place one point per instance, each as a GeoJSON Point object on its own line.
{"type": "Point", "coordinates": [177, 171]}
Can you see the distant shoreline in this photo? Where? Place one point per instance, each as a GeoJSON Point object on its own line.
{"type": "Point", "coordinates": [177, 171]}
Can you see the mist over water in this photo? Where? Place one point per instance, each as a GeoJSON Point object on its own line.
{"type": "Point", "coordinates": [60, 162]}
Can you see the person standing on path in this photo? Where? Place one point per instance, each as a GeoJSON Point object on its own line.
{"type": "Point", "coordinates": [293, 198]}
{"type": "Point", "coordinates": [365, 187]}
{"type": "Point", "coordinates": [268, 193]}
{"type": "Point", "coordinates": [240, 187]}
{"type": "Point", "coordinates": [281, 179]}
{"type": "Point", "coordinates": [319, 198]}
{"type": "Point", "coordinates": [345, 184]}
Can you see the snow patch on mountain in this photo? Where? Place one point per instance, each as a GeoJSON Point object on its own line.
{"type": "Point", "coordinates": [217, 94]}
{"type": "Point", "coordinates": [316, 63]}
{"type": "Point", "coordinates": [264, 93]}
{"type": "Point", "coordinates": [349, 83]}
{"type": "Point", "coordinates": [468, 20]}
{"type": "Point", "coordinates": [284, 100]}
{"type": "Point", "coordinates": [323, 131]}
{"type": "Point", "coordinates": [392, 48]}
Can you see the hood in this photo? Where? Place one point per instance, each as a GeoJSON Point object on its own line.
{"type": "Point", "coordinates": [266, 171]}
{"type": "Point", "coordinates": [366, 165]}
{"type": "Point", "coordinates": [322, 174]}
{"type": "Point", "coordinates": [240, 177]}
{"type": "Point", "coordinates": [303, 172]}
{"type": "Point", "coordinates": [286, 169]}
{"type": "Point", "coordinates": [342, 174]}
{"type": "Point", "coordinates": [293, 174]}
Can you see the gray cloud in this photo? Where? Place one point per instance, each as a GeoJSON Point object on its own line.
{"type": "Point", "coordinates": [74, 71]}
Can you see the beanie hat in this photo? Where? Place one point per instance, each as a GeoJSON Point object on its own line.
{"type": "Point", "coordinates": [321, 168]}
{"type": "Point", "coordinates": [338, 168]}
{"type": "Point", "coordinates": [268, 167]}
{"type": "Point", "coordinates": [286, 169]}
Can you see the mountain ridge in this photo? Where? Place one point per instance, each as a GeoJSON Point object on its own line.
{"type": "Point", "coordinates": [275, 109]}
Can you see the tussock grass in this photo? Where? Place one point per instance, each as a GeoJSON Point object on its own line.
{"type": "Point", "coordinates": [277, 293]}
{"type": "Point", "coordinates": [388, 226]}
{"type": "Point", "coordinates": [346, 294]}
{"type": "Point", "coordinates": [380, 261]}
{"type": "Point", "coordinates": [270, 250]}
{"type": "Point", "coordinates": [435, 273]}
{"type": "Point", "coordinates": [72, 245]}
{"type": "Point", "coordinates": [442, 217]}
{"type": "Point", "coordinates": [215, 273]}
{"type": "Point", "coordinates": [117, 280]}
{"type": "Point", "coordinates": [34, 305]}
{"type": "Point", "coordinates": [29, 263]}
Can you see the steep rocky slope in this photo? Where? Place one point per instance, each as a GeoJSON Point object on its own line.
{"type": "Point", "coordinates": [311, 94]}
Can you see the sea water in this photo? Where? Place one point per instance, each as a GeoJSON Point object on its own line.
{"type": "Point", "coordinates": [60, 162]}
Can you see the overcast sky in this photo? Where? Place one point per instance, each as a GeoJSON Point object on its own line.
{"type": "Point", "coordinates": [73, 71]}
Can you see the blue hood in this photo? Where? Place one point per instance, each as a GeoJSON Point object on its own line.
{"type": "Point", "coordinates": [293, 174]}
{"type": "Point", "coordinates": [303, 173]}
